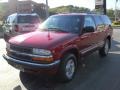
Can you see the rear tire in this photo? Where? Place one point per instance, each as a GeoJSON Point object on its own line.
{"type": "Point", "coordinates": [67, 68]}
{"type": "Point", "coordinates": [105, 49]}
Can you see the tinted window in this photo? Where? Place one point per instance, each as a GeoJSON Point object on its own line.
{"type": "Point", "coordinates": [98, 20]}
{"type": "Point", "coordinates": [89, 21]}
{"type": "Point", "coordinates": [12, 19]}
{"type": "Point", "coordinates": [28, 19]}
{"type": "Point", "coordinates": [106, 20]}
{"type": "Point", "coordinates": [65, 23]}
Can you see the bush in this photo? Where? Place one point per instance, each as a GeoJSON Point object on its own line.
{"type": "Point", "coordinates": [1, 30]}
{"type": "Point", "coordinates": [116, 22]}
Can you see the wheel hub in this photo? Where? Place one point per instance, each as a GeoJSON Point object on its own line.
{"type": "Point", "coordinates": [70, 68]}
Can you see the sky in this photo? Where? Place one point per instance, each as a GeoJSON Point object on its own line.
{"type": "Point", "coordinates": [81, 3]}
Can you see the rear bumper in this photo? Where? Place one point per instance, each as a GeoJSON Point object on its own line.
{"type": "Point", "coordinates": [28, 66]}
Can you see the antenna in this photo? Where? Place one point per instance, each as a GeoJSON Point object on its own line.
{"type": "Point", "coordinates": [49, 36]}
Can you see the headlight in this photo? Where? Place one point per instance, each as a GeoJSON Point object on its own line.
{"type": "Point", "coordinates": [41, 52]}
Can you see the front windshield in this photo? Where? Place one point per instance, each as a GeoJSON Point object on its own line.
{"type": "Point", "coordinates": [67, 23]}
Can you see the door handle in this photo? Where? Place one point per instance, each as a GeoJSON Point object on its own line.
{"type": "Point", "coordinates": [83, 37]}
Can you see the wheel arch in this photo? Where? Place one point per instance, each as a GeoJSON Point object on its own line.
{"type": "Point", "coordinates": [74, 51]}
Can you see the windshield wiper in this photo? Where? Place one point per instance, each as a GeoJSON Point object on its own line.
{"type": "Point", "coordinates": [56, 29]}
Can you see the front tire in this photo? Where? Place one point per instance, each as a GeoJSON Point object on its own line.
{"type": "Point", "coordinates": [105, 49]}
{"type": "Point", "coordinates": [67, 68]}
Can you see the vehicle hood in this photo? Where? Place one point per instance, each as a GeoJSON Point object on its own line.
{"type": "Point", "coordinates": [43, 40]}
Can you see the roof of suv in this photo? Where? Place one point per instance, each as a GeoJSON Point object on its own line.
{"type": "Point", "coordinates": [83, 14]}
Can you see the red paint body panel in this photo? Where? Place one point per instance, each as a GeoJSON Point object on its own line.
{"type": "Point", "coordinates": [42, 40]}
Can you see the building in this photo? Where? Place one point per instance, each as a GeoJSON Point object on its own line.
{"type": "Point", "coordinates": [26, 6]}
{"type": "Point", "coordinates": [12, 6]}
{"type": "Point", "coordinates": [40, 9]}
{"type": "Point", "coordinates": [3, 10]}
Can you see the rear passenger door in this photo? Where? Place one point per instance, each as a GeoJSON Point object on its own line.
{"type": "Point", "coordinates": [100, 31]}
{"type": "Point", "coordinates": [107, 22]}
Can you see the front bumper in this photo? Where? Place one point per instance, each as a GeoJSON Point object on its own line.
{"type": "Point", "coordinates": [28, 66]}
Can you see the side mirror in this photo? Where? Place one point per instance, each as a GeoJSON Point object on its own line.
{"type": "Point", "coordinates": [88, 29]}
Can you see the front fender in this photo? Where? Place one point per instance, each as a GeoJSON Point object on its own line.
{"type": "Point", "coordinates": [68, 49]}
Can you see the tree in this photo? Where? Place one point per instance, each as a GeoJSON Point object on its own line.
{"type": "Point", "coordinates": [110, 13]}
{"type": "Point", "coordinates": [68, 9]}
{"type": "Point", "coordinates": [3, 10]}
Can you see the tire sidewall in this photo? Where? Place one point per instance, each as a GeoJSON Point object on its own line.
{"type": "Point", "coordinates": [102, 51]}
{"type": "Point", "coordinates": [64, 62]}
{"type": "Point", "coordinates": [107, 43]}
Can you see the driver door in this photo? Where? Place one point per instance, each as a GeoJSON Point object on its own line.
{"type": "Point", "coordinates": [88, 37]}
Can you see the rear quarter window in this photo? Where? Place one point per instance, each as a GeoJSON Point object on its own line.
{"type": "Point", "coordinates": [106, 20]}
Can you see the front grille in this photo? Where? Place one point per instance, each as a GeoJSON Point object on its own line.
{"type": "Point", "coordinates": [21, 49]}
{"type": "Point", "coordinates": [15, 51]}
{"type": "Point", "coordinates": [23, 57]}
{"type": "Point", "coordinates": [19, 56]}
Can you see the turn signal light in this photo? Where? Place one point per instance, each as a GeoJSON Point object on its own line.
{"type": "Point", "coordinates": [50, 59]}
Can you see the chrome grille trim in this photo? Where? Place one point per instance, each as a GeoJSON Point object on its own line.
{"type": "Point", "coordinates": [31, 55]}
{"type": "Point", "coordinates": [29, 63]}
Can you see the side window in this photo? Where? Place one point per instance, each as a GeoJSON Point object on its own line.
{"type": "Point", "coordinates": [89, 21]}
{"type": "Point", "coordinates": [99, 23]}
{"type": "Point", "coordinates": [106, 20]}
{"type": "Point", "coordinates": [89, 24]}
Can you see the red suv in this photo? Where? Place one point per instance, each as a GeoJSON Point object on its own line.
{"type": "Point", "coordinates": [61, 42]}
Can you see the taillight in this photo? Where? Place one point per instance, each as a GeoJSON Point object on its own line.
{"type": "Point", "coordinates": [16, 28]}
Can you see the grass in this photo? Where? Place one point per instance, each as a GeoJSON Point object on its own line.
{"type": "Point", "coordinates": [116, 25]}
{"type": "Point", "coordinates": [1, 29]}
{"type": "Point", "coordinates": [1, 32]}
{"type": "Point", "coordinates": [1, 22]}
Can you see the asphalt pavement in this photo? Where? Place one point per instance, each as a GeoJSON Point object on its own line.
{"type": "Point", "coordinates": [97, 74]}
